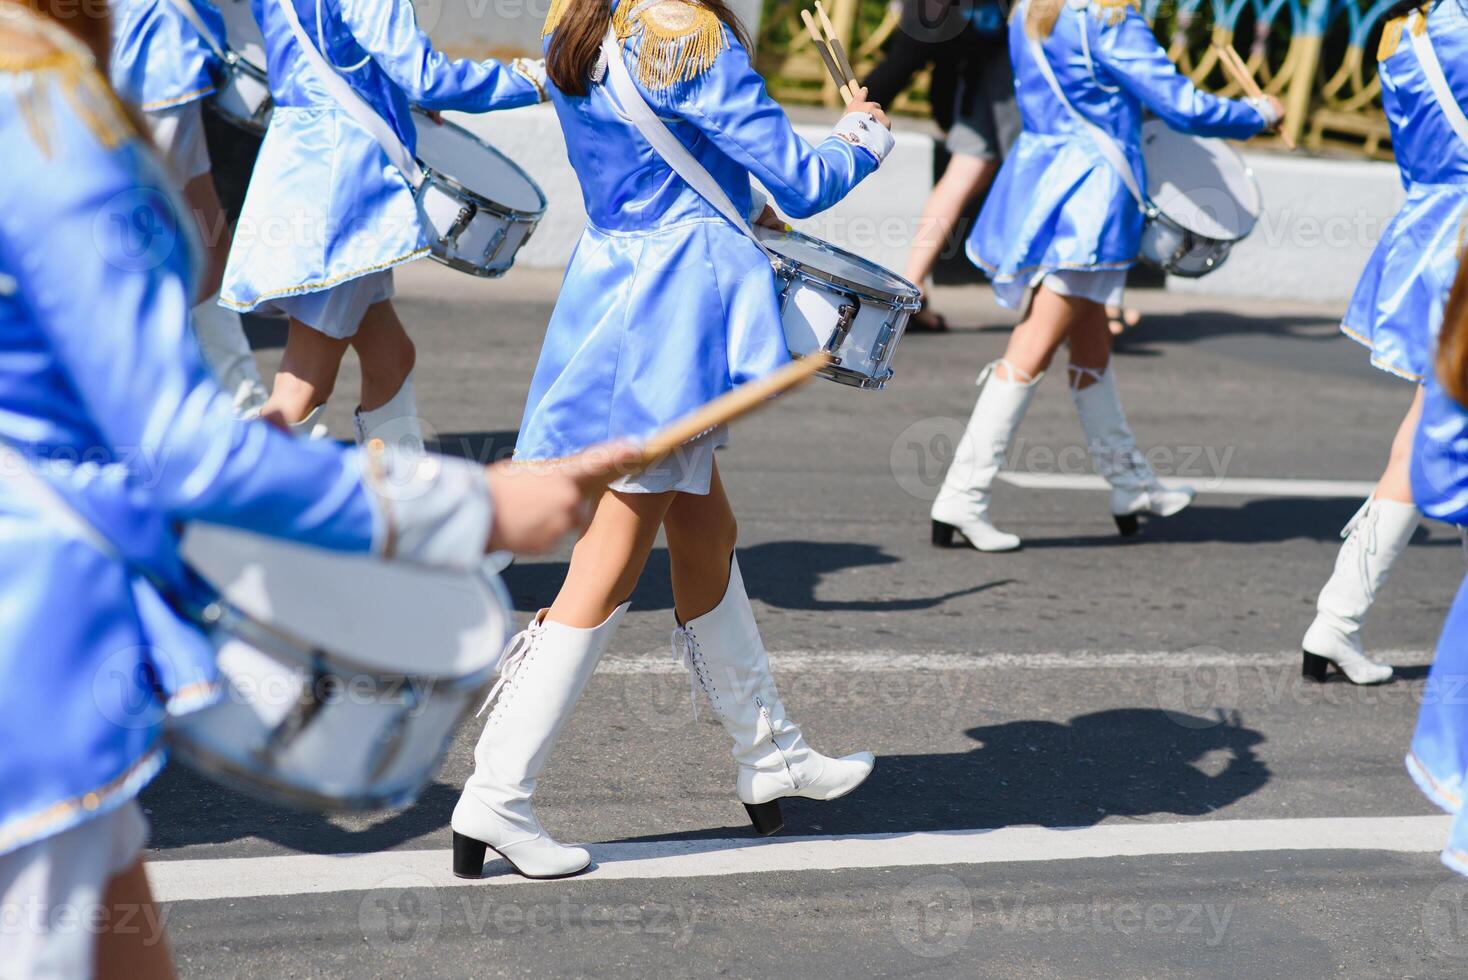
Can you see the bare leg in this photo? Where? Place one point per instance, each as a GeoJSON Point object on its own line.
{"type": "Point", "coordinates": [1090, 345]}
{"type": "Point", "coordinates": [609, 558]}
{"type": "Point", "coordinates": [307, 373]}
{"type": "Point", "coordinates": [1396, 481]}
{"type": "Point", "coordinates": [701, 533]}
{"type": "Point", "coordinates": [386, 353]}
{"type": "Point", "coordinates": [140, 953]}
{"type": "Point", "coordinates": [1036, 339]}
{"type": "Point", "coordinates": [203, 200]}
{"type": "Point", "coordinates": [964, 179]}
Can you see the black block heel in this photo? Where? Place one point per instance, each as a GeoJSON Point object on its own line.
{"type": "Point", "coordinates": [1315, 667]}
{"type": "Point", "coordinates": [942, 535]}
{"type": "Point", "coordinates": [1127, 524]}
{"type": "Point", "coordinates": [766, 817]}
{"type": "Point", "coordinates": [468, 856]}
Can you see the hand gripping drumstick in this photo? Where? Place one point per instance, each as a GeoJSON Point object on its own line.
{"type": "Point", "coordinates": [833, 41]}
{"type": "Point", "coordinates": [729, 407]}
{"type": "Point", "coordinates": [1234, 66]}
{"type": "Point", "coordinates": [825, 52]}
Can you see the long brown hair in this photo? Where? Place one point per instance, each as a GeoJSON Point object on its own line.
{"type": "Point", "coordinates": [1452, 343]}
{"type": "Point", "coordinates": [88, 21]}
{"type": "Point", "coordinates": [575, 44]}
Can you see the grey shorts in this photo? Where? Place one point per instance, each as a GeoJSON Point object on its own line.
{"type": "Point", "coordinates": [986, 119]}
{"type": "Point", "coordinates": [338, 310]}
{"type": "Point", "coordinates": [688, 469]}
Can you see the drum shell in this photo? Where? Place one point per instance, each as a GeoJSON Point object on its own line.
{"type": "Point", "coordinates": [468, 235]}
{"type": "Point", "coordinates": [243, 97]}
{"type": "Point", "coordinates": [368, 740]}
{"type": "Point", "coordinates": [812, 312]}
{"type": "Point", "coordinates": [1180, 252]}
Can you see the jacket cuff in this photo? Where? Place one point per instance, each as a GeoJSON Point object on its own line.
{"type": "Point", "coordinates": [431, 510]}
{"type": "Point", "coordinates": [1265, 108]}
{"type": "Point", "coordinates": [862, 129]}
{"type": "Point", "coordinates": [534, 72]}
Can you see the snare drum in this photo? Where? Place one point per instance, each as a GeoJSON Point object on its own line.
{"type": "Point", "coordinates": [1204, 197]}
{"type": "Point", "coordinates": [344, 676]}
{"type": "Point", "coordinates": [479, 230]}
{"type": "Point", "coordinates": [834, 301]}
{"type": "Point", "coordinates": [242, 97]}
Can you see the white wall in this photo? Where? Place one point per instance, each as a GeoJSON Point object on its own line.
{"type": "Point", "coordinates": [1322, 217]}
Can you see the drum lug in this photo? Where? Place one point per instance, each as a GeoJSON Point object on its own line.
{"type": "Point", "coordinates": [495, 241]}
{"type": "Point", "coordinates": [846, 314]}
{"type": "Point", "coordinates": [302, 713]}
{"type": "Point", "coordinates": [884, 341]}
{"type": "Point", "coordinates": [461, 222]}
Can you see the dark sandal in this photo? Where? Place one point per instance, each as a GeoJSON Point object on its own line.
{"type": "Point", "coordinates": [938, 323]}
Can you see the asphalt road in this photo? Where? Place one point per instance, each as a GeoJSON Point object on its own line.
{"type": "Point", "coordinates": [1084, 682]}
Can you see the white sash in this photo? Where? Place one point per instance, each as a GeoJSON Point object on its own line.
{"type": "Point", "coordinates": [664, 143]}
{"type": "Point", "coordinates": [17, 472]}
{"type": "Point", "coordinates": [1432, 69]}
{"type": "Point", "coordinates": [191, 15]}
{"type": "Point", "coordinates": [1103, 140]}
{"type": "Point", "coordinates": [355, 106]}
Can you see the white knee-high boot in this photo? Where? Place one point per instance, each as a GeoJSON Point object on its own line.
{"type": "Point", "coordinates": [394, 422]}
{"type": "Point", "coordinates": [726, 658]}
{"type": "Point", "coordinates": [221, 337]}
{"type": "Point", "coordinates": [1135, 488]}
{"type": "Point", "coordinates": [1375, 539]}
{"type": "Point", "coordinates": [962, 505]}
{"type": "Point", "coordinates": [545, 670]}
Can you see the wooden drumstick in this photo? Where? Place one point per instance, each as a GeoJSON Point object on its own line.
{"type": "Point", "coordinates": [727, 408]}
{"type": "Point", "coordinates": [833, 41]}
{"type": "Point", "coordinates": [1234, 66]}
{"type": "Point", "coordinates": [826, 56]}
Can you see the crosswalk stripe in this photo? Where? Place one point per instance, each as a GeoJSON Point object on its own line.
{"type": "Point", "coordinates": [192, 880]}
{"type": "Point", "coordinates": [1236, 486]}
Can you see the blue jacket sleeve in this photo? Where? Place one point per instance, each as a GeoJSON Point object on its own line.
{"type": "Point", "coordinates": [1130, 55]}
{"type": "Point", "coordinates": [730, 106]}
{"type": "Point", "coordinates": [388, 31]}
{"type": "Point", "coordinates": [110, 294]}
{"type": "Point", "coordinates": [1440, 457]}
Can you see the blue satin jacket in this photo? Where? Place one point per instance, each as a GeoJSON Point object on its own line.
{"type": "Point", "coordinates": [1056, 203]}
{"type": "Point", "coordinates": [1397, 307]}
{"type": "Point", "coordinates": [104, 394]}
{"type": "Point", "coordinates": [665, 304]}
{"type": "Point", "coordinates": [1439, 756]}
{"type": "Point", "coordinates": [159, 60]}
{"type": "Point", "coordinates": [324, 205]}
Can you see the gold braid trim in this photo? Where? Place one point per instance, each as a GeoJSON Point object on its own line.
{"type": "Point", "coordinates": [680, 40]}
{"type": "Point", "coordinates": [1112, 12]}
{"type": "Point", "coordinates": [553, 17]}
{"type": "Point", "coordinates": [1391, 33]}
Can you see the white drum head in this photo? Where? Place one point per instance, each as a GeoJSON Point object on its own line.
{"type": "Point", "coordinates": [380, 615]}
{"type": "Point", "coordinates": [812, 253]}
{"type": "Point", "coordinates": [1202, 184]}
{"type": "Point", "coordinates": [461, 156]}
{"type": "Point", "coordinates": [245, 38]}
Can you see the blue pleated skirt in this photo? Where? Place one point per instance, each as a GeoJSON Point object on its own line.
{"type": "Point", "coordinates": [648, 327]}
{"type": "Point", "coordinates": [1397, 307]}
{"type": "Point", "coordinates": [1439, 757]}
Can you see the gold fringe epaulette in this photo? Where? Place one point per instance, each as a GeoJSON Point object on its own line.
{"type": "Point", "coordinates": [1112, 12]}
{"type": "Point", "coordinates": [680, 40]}
{"type": "Point", "coordinates": [1391, 34]}
{"type": "Point", "coordinates": [553, 17]}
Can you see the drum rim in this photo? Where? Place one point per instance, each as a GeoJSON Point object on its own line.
{"type": "Point", "coordinates": [495, 207]}
{"type": "Point", "coordinates": [237, 60]}
{"type": "Point", "coordinates": [912, 294]}
{"type": "Point", "coordinates": [1254, 216]}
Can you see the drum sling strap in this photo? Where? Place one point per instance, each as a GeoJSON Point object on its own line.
{"type": "Point", "coordinates": [190, 14]}
{"type": "Point", "coordinates": [1108, 146]}
{"type": "Point", "coordinates": [664, 143]}
{"type": "Point", "coordinates": [1432, 69]}
{"type": "Point", "coordinates": [354, 105]}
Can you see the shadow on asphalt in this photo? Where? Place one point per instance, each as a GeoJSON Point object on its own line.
{"type": "Point", "coordinates": [1124, 762]}
{"type": "Point", "coordinates": [783, 574]}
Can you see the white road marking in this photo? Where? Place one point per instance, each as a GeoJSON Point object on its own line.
{"type": "Point", "coordinates": [896, 661]}
{"type": "Point", "coordinates": [306, 874]}
{"type": "Point", "coordinates": [1239, 487]}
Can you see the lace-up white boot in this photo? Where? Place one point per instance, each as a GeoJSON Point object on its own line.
{"type": "Point", "coordinates": [545, 669]}
{"type": "Point", "coordinates": [395, 422]}
{"type": "Point", "coordinates": [962, 505]}
{"type": "Point", "coordinates": [726, 658]}
{"type": "Point", "coordinates": [1375, 539]}
{"type": "Point", "coordinates": [1135, 489]}
{"type": "Point", "coordinates": [221, 337]}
